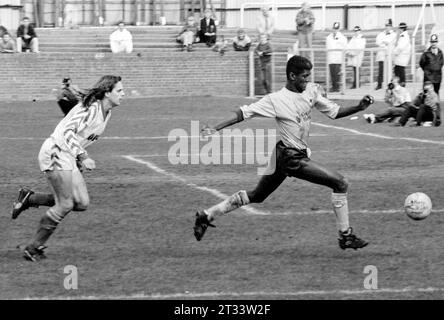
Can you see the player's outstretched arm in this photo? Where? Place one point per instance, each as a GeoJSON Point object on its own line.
{"type": "Point", "coordinates": [238, 117]}
{"type": "Point", "coordinates": [363, 104]}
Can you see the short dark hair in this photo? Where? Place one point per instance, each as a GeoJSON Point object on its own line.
{"type": "Point", "coordinates": [297, 65]}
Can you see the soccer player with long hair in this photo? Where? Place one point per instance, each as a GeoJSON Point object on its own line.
{"type": "Point", "coordinates": [291, 108]}
{"type": "Point", "coordinates": [63, 157]}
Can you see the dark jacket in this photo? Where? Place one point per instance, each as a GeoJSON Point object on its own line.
{"type": "Point", "coordinates": [432, 64]}
{"type": "Point", "coordinates": [3, 30]}
{"type": "Point", "coordinates": [266, 52]}
{"type": "Point", "coordinates": [204, 28]}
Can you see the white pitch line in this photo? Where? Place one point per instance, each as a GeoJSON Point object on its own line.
{"type": "Point", "coordinates": [180, 295]}
{"type": "Point", "coordinates": [251, 210]}
{"type": "Point", "coordinates": [156, 155]}
{"type": "Point", "coordinates": [376, 135]}
{"type": "Point", "coordinates": [212, 191]}
{"type": "Point", "coordinates": [177, 137]}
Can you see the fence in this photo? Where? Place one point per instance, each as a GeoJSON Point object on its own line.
{"type": "Point", "coordinates": [366, 74]}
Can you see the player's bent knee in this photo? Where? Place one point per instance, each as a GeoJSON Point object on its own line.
{"type": "Point", "coordinates": [66, 205]}
{"type": "Point", "coordinates": [341, 185]}
{"type": "Point", "coordinates": [81, 205]}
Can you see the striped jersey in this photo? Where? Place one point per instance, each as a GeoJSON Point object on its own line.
{"type": "Point", "coordinates": [80, 128]}
{"type": "Point", "coordinates": [292, 112]}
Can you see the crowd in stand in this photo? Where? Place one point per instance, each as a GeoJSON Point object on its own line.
{"type": "Point", "coordinates": [26, 40]}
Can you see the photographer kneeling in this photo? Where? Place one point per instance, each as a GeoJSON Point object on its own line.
{"type": "Point", "coordinates": [69, 96]}
{"type": "Point", "coordinates": [399, 100]}
{"type": "Point", "coordinates": [426, 108]}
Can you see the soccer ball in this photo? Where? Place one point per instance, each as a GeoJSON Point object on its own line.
{"type": "Point", "coordinates": [418, 206]}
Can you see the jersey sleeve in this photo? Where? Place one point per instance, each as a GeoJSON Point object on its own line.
{"type": "Point", "coordinates": [324, 105]}
{"type": "Point", "coordinates": [261, 108]}
{"type": "Point", "coordinates": [76, 124]}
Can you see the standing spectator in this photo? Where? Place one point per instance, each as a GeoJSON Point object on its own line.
{"type": "Point", "coordinates": [402, 53]}
{"type": "Point", "coordinates": [3, 30]}
{"type": "Point", "coordinates": [188, 34]}
{"type": "Point", "coordinates": [431, 63]}
{"type": "Point", "coordinates": [426, 107]}
{"type": "Point", "coordinates": [399, 100]}
{"type": "Point", "coordinates": [264, 51]}
{"type": "Point", "coordinates": [304, 25]}
{"type": "Point", "coordinates": [241, 42]}
{"type": "Point", "coordinates": [385, 40]}
{"type": "Point", "coordinates": [121, 40]}
{"type": "Point", "coordinates": [208, 29]}
{"type": "Point", "coordinates": [355, 54]}
{"type": "Point", "coordinates": [26, 37]}
{"type": "Point", "coordinates": [7, 45]}
{"type": "Point", "coordinates": [265, 24]}
{"type": "Point", "coordinates": [293, 50]}
{"type": "Point", "coordinates": [335, 40]}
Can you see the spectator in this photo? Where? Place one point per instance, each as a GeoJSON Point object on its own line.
{"type": "Point", "coordinates": [241, 42]}
{"type": "Point", "coordinates": [335, 40]}
{"type": "Point", "coordinates": [399, 100]}
{"type": "Point", "coordinates": [426, 107]}
{"type": "Point", "coordinates": [220, 45]}
{"type": "Point", "coordinates": [385, 40]}
{"type": "Point", "coordinates": [7, 45]}
{"type": "Point", "coordinates": [304, 25]}
{"type": "Point", "coordinates": [293, 51]}
{"type": "Point", "coordinates": [27, 38]}
{"type": "Point", "coordinates": [3, 30]}
{"type": "Point", "coordinates": [431, 63]}
{"type": "Point", "coordinates": [188, 34]}
{"type": "Point", "coordinates": [265, 24]}
{"type": "Point", "coordinates": [208, 29]}
{"type": "Point", "coordinates": [121, 40]}
{"type": "Point", "coordinates": [402, 53]}
{"type": "Point", "coordinates": [69, 96]}
{"type": "Point", "coordinates": [264, 51]}
{"type": "Point", "coordinates": [355, 54]}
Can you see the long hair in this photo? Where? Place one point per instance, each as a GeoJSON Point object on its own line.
{"type": "Point", "coordinates": [104, 85]}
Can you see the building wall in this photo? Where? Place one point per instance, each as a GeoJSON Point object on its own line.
{"type": "Point", "coordinates": [26, 77]}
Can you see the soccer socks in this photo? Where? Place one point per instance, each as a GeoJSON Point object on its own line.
{"type": "Point", "coordinates": [235, 201]}
{"type": "Point", "coordinates": [47, 226]}
{"type": "Point", "coordinates": [340, 207]}
{"type": "Point", "coordinates": [41, 199]}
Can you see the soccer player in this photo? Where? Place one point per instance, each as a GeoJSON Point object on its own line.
{"type": "Point", "coordinates": [291, 107]}
{"type": "Point", "coordinates": [63, 156]}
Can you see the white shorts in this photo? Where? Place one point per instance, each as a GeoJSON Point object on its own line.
{"type": "Point", "coordinates": [52, 157]}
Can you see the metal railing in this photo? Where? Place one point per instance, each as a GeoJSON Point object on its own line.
{"type": "Point", "coordinates": [275, 6]}
{"type": "Point", "coordinates": [368, 62]}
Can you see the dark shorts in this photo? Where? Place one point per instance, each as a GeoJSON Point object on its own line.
{"type": "Point", "coordinates": [290, 160]}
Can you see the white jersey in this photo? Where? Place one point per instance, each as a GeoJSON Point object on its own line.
{"type": "Point", "coordinates": [292, 112]}
{"type": "Point", "coordinates": [80, 128]}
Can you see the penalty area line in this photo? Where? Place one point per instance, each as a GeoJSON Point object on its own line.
{"type": "Point", "coordinates": [212, 191]}
{"type": "Point", "coordinates": [377, 135]}
{"type": "Point", "coordinates": [265, 294]}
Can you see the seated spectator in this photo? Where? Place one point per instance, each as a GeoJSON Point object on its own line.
{"type": "Point", "coordinates": [207, 33]}
{"type": "Point", "coordinates": [265, 23]}
{"type": "Point", "coordinates": [399, 100]}
{"type": "Point", "coordinates": [121, 40]}
{"type": "Point", "coordinates": [241, 42]}
{"type": "Point", "coordinates": [426, 108]}
{"type": "Point", "coordinates": [264, 51]}
{"type": "Point", "coordinates": [188, 34]}
{"type": "Point", "coordinates": [3, 30]}
{"type": "Point", "coordinates": [27, 38]}
{"type": "Point", "coordinates": [7, 45]}
{"type": "Point", "coordinates": [69, 96]}
{"type": "Point", "coordinates": [221, 45]}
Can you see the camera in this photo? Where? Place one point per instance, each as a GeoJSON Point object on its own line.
{"type": "Point", "coordinates": [391, 86]}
